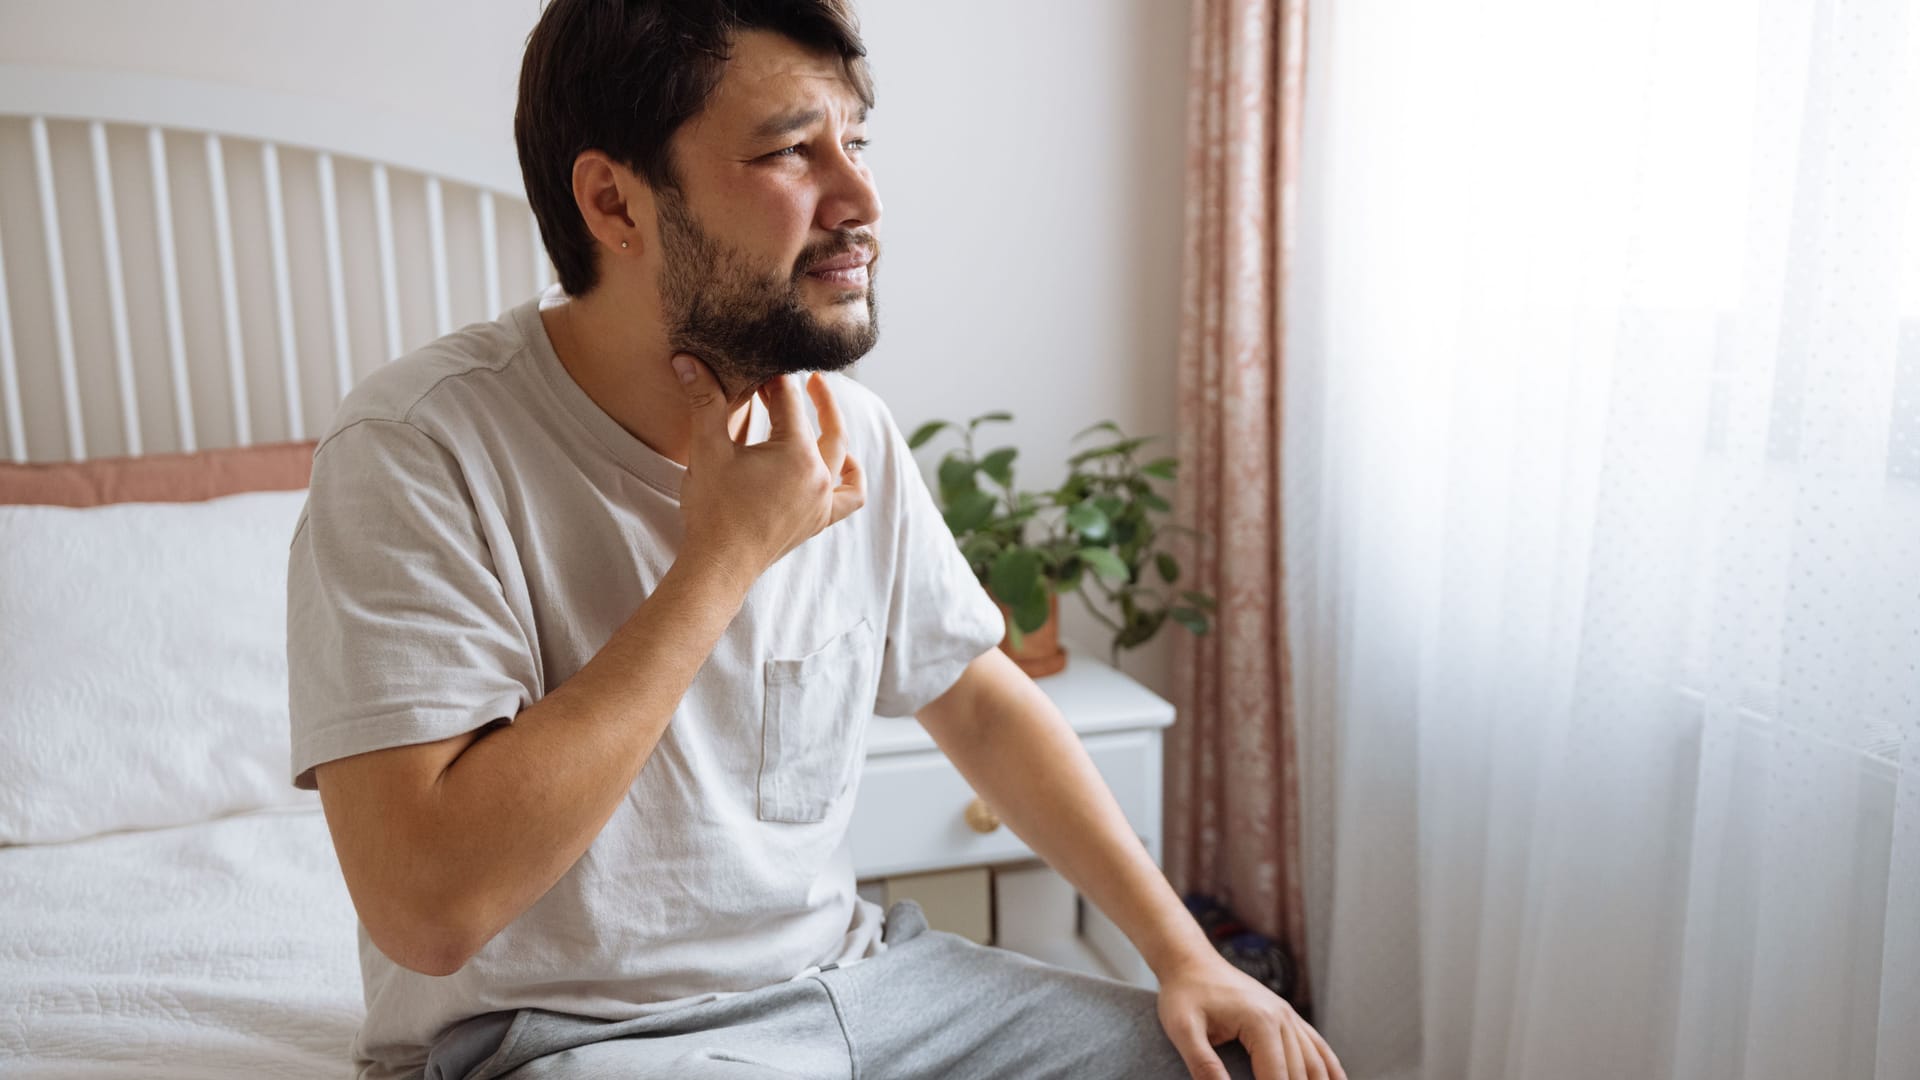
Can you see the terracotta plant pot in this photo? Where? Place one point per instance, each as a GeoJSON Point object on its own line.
{"type": "Point", "coordinates": [1040, 653]}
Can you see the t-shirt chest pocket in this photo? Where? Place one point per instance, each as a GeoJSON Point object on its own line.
{"type": "Point", "coordinates": [814, 706]}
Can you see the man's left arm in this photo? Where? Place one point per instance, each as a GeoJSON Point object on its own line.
{"type": "Point", "coordinates": [1016, 750]}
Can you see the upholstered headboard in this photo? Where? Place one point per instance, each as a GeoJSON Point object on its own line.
{"type": "Point", "coordinates": [187, 266]}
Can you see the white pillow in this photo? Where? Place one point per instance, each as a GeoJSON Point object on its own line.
{"type": "Point", "coordinates": [143, 667]}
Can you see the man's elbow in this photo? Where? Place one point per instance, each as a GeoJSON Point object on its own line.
{"type": "Point", "coordinates": [430, 946]}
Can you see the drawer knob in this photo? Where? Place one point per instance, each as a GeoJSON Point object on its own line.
{"type": "Point", "coordinates": [980, 816]}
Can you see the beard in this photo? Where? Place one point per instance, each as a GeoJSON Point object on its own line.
{"type": "Point", "coordinates": [746, 324]}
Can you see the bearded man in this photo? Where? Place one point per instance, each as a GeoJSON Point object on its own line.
{"type": "Point", "coordinates": [582, 644]}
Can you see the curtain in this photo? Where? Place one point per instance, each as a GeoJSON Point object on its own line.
{"type": "Point", "coordinates": [1602, 434]}
{"type": "Point", "coordinates": [1232, 790]}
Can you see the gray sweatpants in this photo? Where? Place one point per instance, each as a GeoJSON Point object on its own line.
{"type": "Point", "coordinates": [933, 1005]}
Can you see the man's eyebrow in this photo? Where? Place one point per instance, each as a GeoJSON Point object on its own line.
{"type": "Point", "coordinates": [777, 126]}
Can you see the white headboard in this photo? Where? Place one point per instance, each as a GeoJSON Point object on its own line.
{"type": "Point", "coordinates": [185, 265]}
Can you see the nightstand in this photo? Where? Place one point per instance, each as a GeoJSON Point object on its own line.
{"type": "Point", "coordinates": [914, 813]}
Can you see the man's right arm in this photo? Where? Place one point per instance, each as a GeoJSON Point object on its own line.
{"type": "Point", "coordinates": [442, 844]}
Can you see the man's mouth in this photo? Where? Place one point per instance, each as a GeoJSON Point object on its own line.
{"type": "Point", "coordinates": [849, 269]}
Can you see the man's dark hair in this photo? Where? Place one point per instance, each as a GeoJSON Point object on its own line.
{"type": "Point", "coordinates": [621, 76]}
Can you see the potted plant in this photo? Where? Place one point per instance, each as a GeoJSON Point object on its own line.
{"type": "Point", "coordinates": [1097, 533]}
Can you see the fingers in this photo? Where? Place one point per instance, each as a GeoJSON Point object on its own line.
{"type": "Point", "coordinates": [705, 400]}
{"type": "Point", "coordinates": [1190, 1039]}
{"type": "Point", "coordinates": [851, 495]}
{"type": "Point", "coordinates": [1296, 1061]}
{"type": "Point", "coordinates": [785, 418]}
{"type": "Point", "coordinates": [746, 426]}
{"type": "Point", "coordinates": [833, 440]}
{"type": "Point", "coordinates": [1305, 1054]}
{"type": "Point", "coordinates": [1318, 1067]}
{"type": "Point", "coordinates": [1335, 1071]}
{"type": "Point", "coordinates": [1290, 1050]}
{"type": "Point", "coordinates": [1268, 1052]}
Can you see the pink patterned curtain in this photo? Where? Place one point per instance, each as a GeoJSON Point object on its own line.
{"type": "Point", "coordinates": [1232, 785]}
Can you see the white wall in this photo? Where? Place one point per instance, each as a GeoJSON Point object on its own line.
{"type": "Point", "coordinates": [1029, 157]}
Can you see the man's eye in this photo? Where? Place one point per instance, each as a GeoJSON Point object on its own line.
{"type": "Point", "coordinates": [857, 144]}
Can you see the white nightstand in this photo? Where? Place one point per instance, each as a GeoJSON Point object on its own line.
{"type": "Point", "coordinates": [910, 814]}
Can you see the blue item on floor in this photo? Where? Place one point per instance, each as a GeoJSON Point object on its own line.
{"type": "Point", "coordinates": [1269, 962]}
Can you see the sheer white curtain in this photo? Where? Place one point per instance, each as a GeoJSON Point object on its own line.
{"type": "Point", "coordinates": [1602, 465]}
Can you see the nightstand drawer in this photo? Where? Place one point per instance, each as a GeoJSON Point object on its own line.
{"type": "Point", "coordinates": [911, 811]}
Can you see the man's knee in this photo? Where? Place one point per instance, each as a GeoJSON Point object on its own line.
{"type": "Point", "coordinates": [1159, 1057]}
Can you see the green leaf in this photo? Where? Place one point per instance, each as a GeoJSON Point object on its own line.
{"type": "Point", "coordinates": [1149, 499]}
{"type": "Point", "coordinates": [1106, 564]}
{"type": "Point", "coordinates": [980, 548]}
{"type": "Point", "coordinates": [1094, 454]}
{"type": "Point", "coordinates": [1016, 576]}
{"type": "Point", "coordinates": [1161, 467]}
{"type": "Point", "coordinates": [1124, 446]}
{"type": "Point", "coordinates": [1104, 425]}
{"type": "Point", "coordinates": [1070, 578]}
{"type": "Point", "coordinates": [956, 470]}
{"type": "Point", "coordinates": [924, 432]}
{"type": "Point", "coordinates": [970, 511]}
{"type": "Point", "coordinates": [987, 418]}
{"type": "Point", "coordinates": [1140, 629]}
{"type": "Point", "coordinates": [1169, 567]}
{"type": "Point", "coordinates": [1031, 614]}
{"type": "Point", "coordinates": [1200, 600]}
{"type": "Point", "coordinates": [1190, 619]}
{"type": "Point", "coordinates": [1087, 520]}
{"type": "Point", "coordinates": [999, 465]}
{"type": "Point", "coordinates": [1110, 505]}
{"type": "Point", "coordinates": [956, 478]}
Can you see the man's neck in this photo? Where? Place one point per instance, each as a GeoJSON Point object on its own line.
{"type": "Point", "coordinates": [621, 359]}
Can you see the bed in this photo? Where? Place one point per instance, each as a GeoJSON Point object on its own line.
{"type": "Point", "coordinates": [191, 277]}
{"type": "Point", "coordinates": [216, 949]}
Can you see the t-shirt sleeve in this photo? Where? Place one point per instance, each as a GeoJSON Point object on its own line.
{"type": "Point", "coordinates": [398, 629]}
{"type": "Point", "coordinates": [939, 617]}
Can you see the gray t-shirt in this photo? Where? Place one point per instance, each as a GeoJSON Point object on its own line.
{"type": "Point", "coordinates": [476, 529]}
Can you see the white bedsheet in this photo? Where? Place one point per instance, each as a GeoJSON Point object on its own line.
{"type": "Point", "coordinates": [223, 949]}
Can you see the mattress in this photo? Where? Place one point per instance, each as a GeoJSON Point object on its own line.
{"type": "Point", "coordinates": [221, 949]}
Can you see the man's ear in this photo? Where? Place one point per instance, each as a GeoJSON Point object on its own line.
{"type": "Point", "coordinates": [611, 200]}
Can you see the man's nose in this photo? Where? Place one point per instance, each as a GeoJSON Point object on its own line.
{"type": "Point", "coordinates": [850, 199]}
